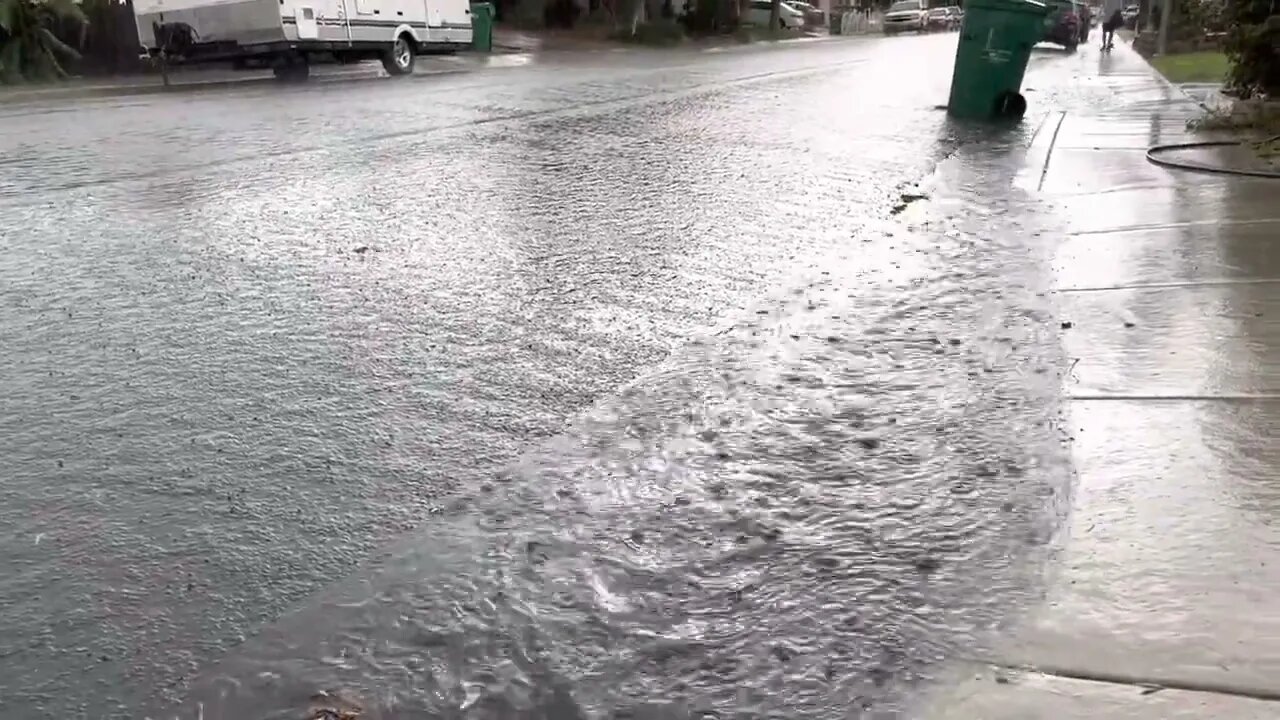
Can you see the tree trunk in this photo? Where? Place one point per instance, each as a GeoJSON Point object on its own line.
{"type": "Point", "coordinates": [1166, 15]}
{"type": "Point", "coordinates": [531, 13]}
{"type": "Point", "coordinates": [637, 15]}
{"type": "Point", "coordinates": [775, 16]}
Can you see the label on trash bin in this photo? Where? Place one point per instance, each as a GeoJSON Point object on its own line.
{"type": "Point", "coordinates": [995, 56]}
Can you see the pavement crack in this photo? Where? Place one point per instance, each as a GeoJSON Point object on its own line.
{"type": "Point", "coordinates": [1044, 172]}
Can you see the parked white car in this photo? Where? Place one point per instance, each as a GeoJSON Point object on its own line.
{"type": "Point", "coordinates": [1130, 16]}
{"type": "Point", "coordinates": [906, 15]}
{"type": "Point", "coordinates": [813, 15]}
{"type": "Point", "coordinates": [788, 17]}
{"type": "Point", "coordinates": [288, 35]}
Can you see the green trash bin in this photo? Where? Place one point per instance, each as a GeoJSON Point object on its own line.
{"type": "Point", "coordinates": [482, 26]}
{"type": "Point", "coordinates": [991, 58]}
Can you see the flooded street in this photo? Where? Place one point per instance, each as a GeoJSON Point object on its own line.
{"type": "Point", "coordinates": [692, 384]}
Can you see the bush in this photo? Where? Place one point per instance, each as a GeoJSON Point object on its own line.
{"type": "Point", "coordinates": [709, 17]}
{"type": "Point", "coordinates": [1253, 114]}
{"type": "Point", "coordinates": [702, 19]}
{"type": "Point", "coordinates": [30, 48]}
{"type": "Point", "coordinates": [1253, 45]}
{"type": "Point", "coordinates": [110, 43]}
{"type": "Point", "coordinates": [1193, 18]}
{"type": "Point", "coordinates": [660, 33]}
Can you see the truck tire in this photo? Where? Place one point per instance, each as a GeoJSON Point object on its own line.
{"type": "Point", "coordinates": [292, 67]}
{"type": "Point", "coordinates": [399, 58]}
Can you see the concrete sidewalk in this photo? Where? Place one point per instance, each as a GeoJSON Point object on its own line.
{"type": "Point", "coordinates": [1165, 597]}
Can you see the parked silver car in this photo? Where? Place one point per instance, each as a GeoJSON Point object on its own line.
{"type": "Point", "coordinates": [906, 15]}
{"type": "Point", "coordinates": [812, 14]}
{"type": "Point", "coordinates": [944, 18]}
{"type": "Point", "coordinates": [788, 17]}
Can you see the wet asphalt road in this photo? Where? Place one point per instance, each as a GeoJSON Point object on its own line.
{"type": "Point", "coordinates": [553, 391]}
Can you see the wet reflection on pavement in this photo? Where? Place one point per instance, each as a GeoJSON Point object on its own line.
{"type": "Point", "coordinates": [1168, 294]}
{"type": "Point", "coordinates": [560, 391]}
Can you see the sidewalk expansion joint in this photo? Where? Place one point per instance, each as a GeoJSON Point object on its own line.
{"type": "Point", "coordinates": [1176, 225]}
{"type": "Point", "coordinates": [1149, 684]}
{"type": "Point", "coordinates": [1247, 397]}
{"type": "Point", "coordinates": [1173, 285]}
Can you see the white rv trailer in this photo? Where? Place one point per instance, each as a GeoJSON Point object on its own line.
{"type": "Point", "coordinates": [288, 34]}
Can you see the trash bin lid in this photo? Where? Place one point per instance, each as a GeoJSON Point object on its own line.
{"type": "Point", "coordinates": [1031, 7]}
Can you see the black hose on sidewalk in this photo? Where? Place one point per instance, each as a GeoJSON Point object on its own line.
{"type": "Point", "coordinates": [1154, 151]}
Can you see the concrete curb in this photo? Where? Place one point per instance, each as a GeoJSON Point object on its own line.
{"type": "Point", "coordinates": [58, 94]}
{"type": "Point", "coordinates": [124, 90]}
{"type": "Point", "coordinates": [16, 96]}
{"type": "Point", "coordinates": [697, 45]}
{"type": "Point", "coordinates": [787, 43]}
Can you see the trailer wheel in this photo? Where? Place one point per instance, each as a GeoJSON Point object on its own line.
{"type": "Point", "coordinates": [399, 58]}
{"type": "Point", "coordinates": [291, 68]}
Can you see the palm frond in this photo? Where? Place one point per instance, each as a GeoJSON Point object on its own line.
{"type": "Point", "coordinates": [62, 10]}
{"type": "Point", "coordinates": [8, 11]}
{"type": "Point", "coordinates": [11, 61]}
{"type": "Point", "coordinates": [30, 42]}
{"type": "Point", "coordinates": [54, 45]}
{"type": "Point", "coordinates": [45, 66]}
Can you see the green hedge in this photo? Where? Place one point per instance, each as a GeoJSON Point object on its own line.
{"type": "Point", "coordinates": [660, 33]}
{"type": "Point", "coordinates": [1253, 46]}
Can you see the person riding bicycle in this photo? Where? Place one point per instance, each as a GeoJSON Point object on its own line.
{"type": "Point", "coordinates": [1114, 21]}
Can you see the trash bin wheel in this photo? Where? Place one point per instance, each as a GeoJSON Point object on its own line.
{"type": "Point", "coordinates": [1010, 105]}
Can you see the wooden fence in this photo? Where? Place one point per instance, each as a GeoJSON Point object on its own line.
{"type": "Point", "coordinates": [110, 44]}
